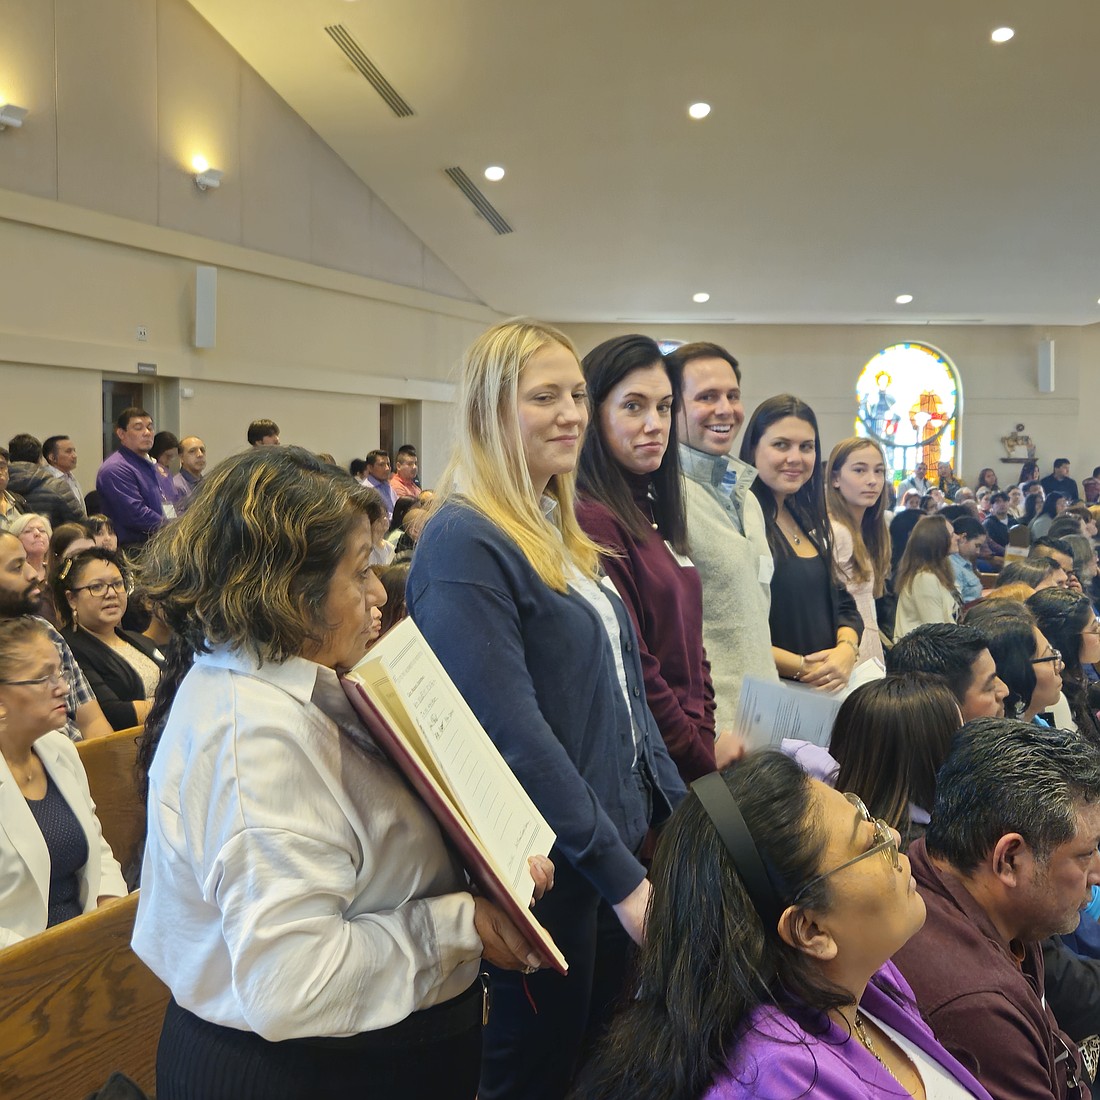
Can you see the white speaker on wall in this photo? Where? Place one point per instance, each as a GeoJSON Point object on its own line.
{"type": "Point", "coordinates": [206, 305]}
{"type": "Point", "coordinates": [1046, 366]}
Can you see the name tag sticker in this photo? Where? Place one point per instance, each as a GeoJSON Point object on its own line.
{"type": "Point", "coordinates": [168, 510]}
{"type": "Point", "coordinates": [684, 563]}
{"type": "Point", "coordinates": [767, 568]}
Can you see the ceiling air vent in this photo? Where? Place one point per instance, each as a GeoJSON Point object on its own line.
{"type": "Point", "coordinates": [481, 204]}
{"type": "Point", "coordinates": [354, 52]}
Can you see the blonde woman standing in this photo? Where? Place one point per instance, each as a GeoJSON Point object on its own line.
{"type": "Point", "coordinates": [505, 587]}
{"type": "Point", "coordinates": [857, 499]}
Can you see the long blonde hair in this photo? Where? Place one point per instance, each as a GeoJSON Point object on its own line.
{"type": "Point", "coordinates": [871, 539]}
{"type": "Point", "coordinates": [488, 469]}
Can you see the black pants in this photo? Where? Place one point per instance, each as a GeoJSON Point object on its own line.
{"type": "Point", "coordinates": [434, 1053]}
{"type": "Point", "coordinates": [541, 1026]}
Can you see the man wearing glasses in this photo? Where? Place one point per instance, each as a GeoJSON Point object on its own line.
{"type": "Point", "coordinates": [18, 590]}
{"type": "Point", "coordinates": [1010, 858]}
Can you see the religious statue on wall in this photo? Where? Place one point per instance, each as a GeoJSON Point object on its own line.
{"type": "Point", "coordinates": [1018, 445]}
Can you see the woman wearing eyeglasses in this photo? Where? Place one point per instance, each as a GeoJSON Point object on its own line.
{"type": "Point", "coordinates": [54, 862]}
{"type": "Point", "coordinates": [1067, 620]}
{"type": "Point", "coordinates": [122, 667]}
{"type": "Point", "coordinates": [1026, 661]}
{"type": "Point", "coordinates": [766, 973]}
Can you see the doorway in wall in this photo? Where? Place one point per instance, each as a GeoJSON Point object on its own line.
{"type": "Point", "coordinates": [119, 394]}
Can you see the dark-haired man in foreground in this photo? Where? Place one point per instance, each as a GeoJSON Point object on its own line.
{"type": "Point", "coordinates": [1009, 859]}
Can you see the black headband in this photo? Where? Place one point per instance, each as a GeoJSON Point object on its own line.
{"type": "Point", "coordinates": [722, 809]}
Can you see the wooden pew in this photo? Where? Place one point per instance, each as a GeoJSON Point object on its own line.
{"type": "Point", "coordinates": [109, 762]}
{"type": "Point", "coordinates": [76, 1004]}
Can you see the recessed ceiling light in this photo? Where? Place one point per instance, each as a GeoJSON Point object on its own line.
{"type": "Point", "coordinates": [701, 297]}
{"type": "Point", "coordinates": [1002, 34]}
{"type": "Point", "coordinates": [903, 299]}
{"type": "Point", "coordinates": [494, 172]}
{"type": "Point", "coordinates": [699, 110]}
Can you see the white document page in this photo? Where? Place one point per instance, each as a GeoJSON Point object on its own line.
{"type": "Point", "coordinates": [403, 672]}
{"type": "Point", "coordinates": [767, 712]}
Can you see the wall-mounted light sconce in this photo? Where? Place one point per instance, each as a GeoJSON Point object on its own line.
{"type": "Point", "coordinates": [205, 176]}
{"type": "Point", "coordinates": [10, 115]}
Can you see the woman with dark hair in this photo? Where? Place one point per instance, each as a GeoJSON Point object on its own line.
{"type": "Point", "coordinates": [102, 532]}
{"type": "Point", "coordinates": [397, 521]}
{"type": "Point", "coordinates": [1033, 501]}
{"type": "Point", "coordinates": [1053, 506]}
{"type": "Point", "coordinates": [815, 624]}
{"type": "Point", "coordinates": [299, 902]}
{"type": "Point", "coordinates": [1069, 623]}
{"type": "Point", "coordinates": [1029, 471]}
{"type": "Point", "coordinates": [631, 503]}
{"type": "Point", "coordinates": [1028, 664]}
{"type": "Point", "coordinates": [890, 738]}
{"type": "Point", "coordinates": [924, 581]}
{"type": "Point", "coordinates": [766, 973]}
{"type": "Point", "coordinates": [91, 594]}
{"type": "Point", "coordinates": [856, 496]}
{"type": "Point", "coordinates": [394, 578]}
{"type": "Point", "coordinates": [987, 479]}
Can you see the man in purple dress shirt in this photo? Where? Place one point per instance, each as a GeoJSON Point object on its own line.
{"type": "Point", "coordinates": [129, 489]}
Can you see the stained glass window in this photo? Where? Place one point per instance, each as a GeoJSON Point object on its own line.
{"type": "Point", "coordinates": [907, 400]}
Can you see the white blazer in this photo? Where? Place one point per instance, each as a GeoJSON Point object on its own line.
{"type": "Point", "coordinates": [24, 858]}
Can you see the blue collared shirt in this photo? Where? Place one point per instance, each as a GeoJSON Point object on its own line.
{"type": "Point", "coordinates": [967, 580]}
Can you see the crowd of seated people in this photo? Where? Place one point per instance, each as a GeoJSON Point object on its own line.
{"type": "Point", "coordinates": [789, 925]}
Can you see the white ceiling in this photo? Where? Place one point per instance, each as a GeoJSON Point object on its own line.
{"type": "Point", "coordinates": [857, 149]}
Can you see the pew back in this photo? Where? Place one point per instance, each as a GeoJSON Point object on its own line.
{"type": "Point", "coordinates": [109, 762]}
{"type": "Point", "coordinates": [76, 1004]}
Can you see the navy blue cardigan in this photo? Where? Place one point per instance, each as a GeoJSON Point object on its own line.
{"type": "Point", "coordinates": [537, 669]}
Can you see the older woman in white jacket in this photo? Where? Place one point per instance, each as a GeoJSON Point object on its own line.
{"type": "Point", "coordinates": [54, 862]}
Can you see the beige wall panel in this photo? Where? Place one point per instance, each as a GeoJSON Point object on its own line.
{"type": "Point", "coordinates": [75, 406]}
{"type": "Point", "coordinates": [28, 156]}
{"type": "Point", "coordinates": [396, 253]}
{"type": "Point", "coordinates": [107, 106]}
{"type": "Point", "coordinates": [437, 419]}
{"type": "Point", "coordinates": [439, 279]}
{"type": "Point", "coordinates": [199, 113]}
{"type": "Point", "coordinates": [269, 324]}
{"type": "Point", "coordinates": [345, 426]}
{"type": "Point", "coordinates": [275, 173]}
{"type": "Point", "coordinates": [997, 366]}
{"type": "Point", "coordinates": [71, 288]}
{"type": "Point", "coordinates": [339, 212]}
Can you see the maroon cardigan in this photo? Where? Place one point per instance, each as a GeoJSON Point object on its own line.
{"type": "Point", "coordinates": [665, 601]}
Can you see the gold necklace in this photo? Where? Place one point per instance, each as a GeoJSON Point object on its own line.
{"type": "Point", "coordinates": [793, 538]}
{"type": "Point", "coordinates": [22, 781]}
{"type": "Point", "coordinates": [865, 1039]}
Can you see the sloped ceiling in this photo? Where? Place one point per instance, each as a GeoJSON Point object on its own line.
{"type": "Point", "coordinates": [857, 149]}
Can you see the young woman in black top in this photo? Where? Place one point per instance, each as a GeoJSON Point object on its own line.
{"type": "Point", "coordinates": [815, 624]}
